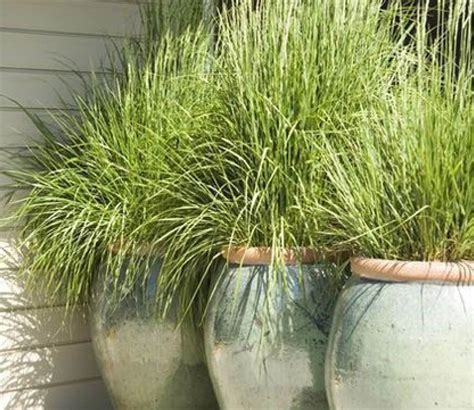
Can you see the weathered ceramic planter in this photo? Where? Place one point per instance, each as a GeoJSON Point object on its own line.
{"type": "Point", "coordinates": [403, 337]}
{"type": "Point", "coordinates": [145, 361]}
{"type": "Point", "coordinates": [249, 370]}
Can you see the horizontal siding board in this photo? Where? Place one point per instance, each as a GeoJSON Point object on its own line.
{"type": "Point", "coordinates": [47, 365]}
{"type": "Point", "coordinates": [69, 16]}
{"type": "Point", "coordinates": [12, 159]}
{"type": "Point", "coordinates": [49, 52]}
{"type": "Point", "coordinates": [31, 328]}
{"type": "Point", "coordinates": [6, 239]}
{"type": "Point", "coordinates": [79, 395]}
{"type": "Point", "coordinates": [9, 255]}
{"type": "Point", "coordinates": [7, 179]}
{"type": "Point", "coordinates": [14, 296]}
{"type": "Point", "coordinates": [17, 130]}
{"type": "Point", "coordinates": [9, 202]}
{"type": "Point", "coordinates": [46, 360]}
{"type": "Point", "coordinates": [38, 90]}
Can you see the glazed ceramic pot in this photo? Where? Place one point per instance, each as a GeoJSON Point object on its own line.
{"type": "Point", "coordinates": [145, 361]}
{"type": "Point", "coordinates": [403, 337]}
{"type": "Point", "coordinates": [268, 353]}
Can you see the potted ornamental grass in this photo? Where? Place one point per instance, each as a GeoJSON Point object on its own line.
{"type": "Point", "coordinates": [403, 335]}
{"type": "Point", "coordinates": [95, 186]}
{"type": "Point", "coordinates": [242, 211]}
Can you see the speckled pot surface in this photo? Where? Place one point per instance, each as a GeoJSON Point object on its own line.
{"type": "Point", "coordinates": [146, 363]}
{"type": "Point", "coordinates": [248, 370]}
{"type": "Point", "coordinates": [402, 345]}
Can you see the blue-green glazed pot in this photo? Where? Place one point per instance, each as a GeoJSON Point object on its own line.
{"type": "Point", "coordinates": [269, 353]}
{"type": "Point", "coordinates": [403, 337]}
{"type": "Point", "coordinates": [146, 363]}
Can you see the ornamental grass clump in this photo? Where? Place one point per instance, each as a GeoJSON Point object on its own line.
{"type": "Point", "coordinates": [96, 182]}
{"type": "Point", "coordinates": [288, 75]}
{"type": "Point", "coordinates": [404, 190]}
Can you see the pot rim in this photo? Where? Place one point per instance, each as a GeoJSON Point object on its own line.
{"type": "Point", "coordinates": [263, 255]}
{"type": "Point", "coordinates": [410, 271]}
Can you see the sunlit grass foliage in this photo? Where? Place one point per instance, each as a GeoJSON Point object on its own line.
{"type": "Point", "coordinates": [96, 181]}
{"type": "Point", "coordinates": [288, 74]}
{"type": "Point", "coordinates": [295, 124]}
{"type": "Point", "coordinates": [404, 189]}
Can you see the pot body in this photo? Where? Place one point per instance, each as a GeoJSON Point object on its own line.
{"type": "Point", "coordinates": [145, 361]}
{"type": "Point", "coordinates": [406, 345]}
{"type": "Point", "coordinates": [268, 353]}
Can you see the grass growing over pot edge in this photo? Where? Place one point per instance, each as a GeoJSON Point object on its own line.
{"type": "Point", "coordinates": [99, 182]}
{"type": "Point", "coordinates": [288, 75]}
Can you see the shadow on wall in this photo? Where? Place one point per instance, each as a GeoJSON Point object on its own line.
{"type": "Point", "coordinates": [46, 358]}
{"type": "Point", "coordinates": [23, 364]}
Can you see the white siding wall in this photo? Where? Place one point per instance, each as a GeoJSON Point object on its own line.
{"type": "Point", "coordinates": [45, 362]}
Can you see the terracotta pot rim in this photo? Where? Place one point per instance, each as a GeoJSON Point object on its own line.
{"type": "Point", "coordinates": [262, 255]}
{"type": "Point", "coordinates": [141, 249]}
{"type": "Point", "coordinates": [408, 271]}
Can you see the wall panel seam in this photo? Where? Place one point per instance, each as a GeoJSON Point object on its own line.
{"type": "Point", "coordinates": [27, 70]}
{"type": "Point", "coordinates": [33, 347]}
{"type": "Point", "coordinates": [58, 33]}
{"type": "Point", "coordinates": [51, 385]}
